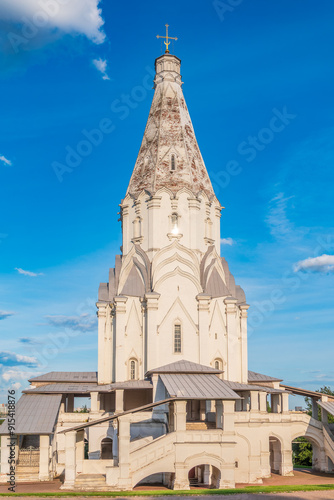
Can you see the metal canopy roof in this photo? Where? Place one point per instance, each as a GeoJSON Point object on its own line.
{"type": "Point", "coordinates": [86, 377]}
{"type": "Point", "coordinates": [305, 392]}
{"type": "Point", "coordinates": [236, 386]}
{"type": "Point", "coordinates": [34, 414]}
{"type": "Point", "coordinates": [328, 406]}
{"type": "Point", "coordinates": [184, 366]}
{"type": "Point", "coordinates": [88, 388]}
{"type": "Point", "coordinates": [259, 377]}
{"type": "Point", "coordinates": [197, 386]}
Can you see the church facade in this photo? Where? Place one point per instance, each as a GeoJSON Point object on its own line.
{"type": "Point", "coordinates": [173, 400]}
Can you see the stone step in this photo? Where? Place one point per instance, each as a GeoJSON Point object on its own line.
{"type": "Point", "coordinates": [90, 478]}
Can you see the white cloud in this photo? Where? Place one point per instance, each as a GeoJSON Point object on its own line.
{"type": "Point", "coordinates": [101, 66]}
{"type": "Point", "coordinates": [5, 160]}
{"type": "Point", "coordinates": [13, 374]}
{"type": "Point", "coordinates": [82, 17]}
{"type": "Point", "coordinates": [227, 241]}
{"type": "Point", "coordinates": [27, 273]}
{"type": "Point", "coordinates": [322, 264]}
{"type": "Point", "coordinates": [277, 220]}
{"type": "Point", "coordinates": [5, 314]}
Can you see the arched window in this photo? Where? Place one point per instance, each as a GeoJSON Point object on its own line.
{"type": "Point", "coordinates": [218, 364]}
{"type": "Point", "coordinates": [177, 338]}
{"type": "Point", "coordinates": [175, 223]}
{"type": "Point", "coordinates": [172, 162]}
{"type": "Point", "coordinates": [106, 449]}
{"type": "Point", "coordinates": [137, 227]}
{"type": "Point", "coordinates": [133, 369]}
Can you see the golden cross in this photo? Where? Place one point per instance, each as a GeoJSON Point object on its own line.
{"type": "Point", "coordinates": [167, 43]}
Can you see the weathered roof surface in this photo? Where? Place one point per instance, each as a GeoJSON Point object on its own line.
{"type": "Point", "coordinates": [35, 414]}
{"type": "Point", "coordinates": [236, 386]}
{"type": "Point", "coordinates": [169, 130]}
{"type": "Point", "coordinates": [327, 405]}
{"type": "Point", "coordinates": [90, 377]}
{"type": "Point", "coordinates": [197, 386]}
{"type": "Point", "coordinates": [258, 377]}
{"type": "Point", "coordinates": [184, 366]}
{"type": "Point", "coordinates": [70, 388]}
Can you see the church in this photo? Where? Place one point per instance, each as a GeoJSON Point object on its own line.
{"type": "Point", "coordinates": [173, 401]}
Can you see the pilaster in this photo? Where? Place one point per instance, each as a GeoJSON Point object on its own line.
{"type": "Point", "coordinates": [243, 342]}
{"type": "Point", "coordinates": [233, 354]}
{"type": "Point", "coordinates": [152, 355]}
{"type": "Point", "coordinates": [44, 458]}
{"type": "Point", "coordinates": [203, 307]}
{"type": "Point", "coordinates": [70, 460]}
{"type": "Point", "coordinates": [120, 311]}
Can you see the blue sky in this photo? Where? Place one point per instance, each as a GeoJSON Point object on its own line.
{"type": "Point", "coordinates": [259, 80]}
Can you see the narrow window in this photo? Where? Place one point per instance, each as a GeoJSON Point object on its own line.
{"type": "Point", "coordinates": [172, 162]}
{"type": "Point", "coordinates": [177, 338]}
{"type": "Point", "coordinates": [217, 365]}
{"type": "Point", "coordinates": [132, 370]}
{"type": "Point", "coordinates": [175, 223]}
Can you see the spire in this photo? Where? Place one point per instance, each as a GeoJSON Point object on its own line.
{"type": "Point", "coordinates": [169, 155]}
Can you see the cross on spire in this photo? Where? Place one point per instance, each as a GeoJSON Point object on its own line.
{"type": "Point", "coordinates": [167, 43]}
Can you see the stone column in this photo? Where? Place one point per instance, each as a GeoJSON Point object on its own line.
{"type": "Point", "coordinates": [228, 416]}
{"type": "Point", "coordinates": [275, 403]}
{"type": "Point", "coordinates": [6, 440]}
{"type": "Point", "coordinates": [286, 468]}
{"type": "Point", "coordinates": [194, 207]}
{"type": "Point", "coordinates": [233, 351]}
{"type": "Point", "coordinates": [119, 400]}
{"type": "Point", "coordinates": [70, 403]}
{"type": "Point", "coordinates": [152, 354]}
{"type": "Point", "coordinates": [254, 401]}
{"type": "Point", "coordinates": [245, 401]}
{"type": "Point", "coordinates": [124, 481]}
{"type": "Point", "coordinates": [154, 222]}
{"type": "Point", "coordinates": [324, 416]}
{"type": "Point", "coordinates": [315, 412]}
{"type": "Point", "coordinates": [219, 414]}
{"type": "Point", "coordinates": [243, 347]}
{"type": "Point", "coordinates": [70, 460]}
{"type": "Point", "coordinates": [285, 402]}
{"type": "Point", "coordinates": [203, 307]}
{"type": "Point", "coordinates": [263, 402]}
{"type": "Point", "coordinates": [181, 481]}
{"type": "Point", "coordinates": [80, 450]}
{"type": "Point", "coordinates": [44, 458]}
{"type": "Point", "coordinates": [206, 474]}
{"type": "Point", "coordinates": [202, 410]}
{"type": "Point", "coordinates": [102, 316]}
{"type": "Point", "coordinates": [120, 311]}
{"type": "Point", "coordinates": [95, 402]}
{"type": "Point", "coordinates": [180, 420]}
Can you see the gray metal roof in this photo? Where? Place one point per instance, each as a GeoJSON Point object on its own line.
{"type": "Point", "coordinates": [197, 386]}
{"type": "Point", "coordinates": [327, 405]}
{"type": "Point", "coordinates": [236, 386]}
{"type": "Point", "coordinates": [34, 414]}
{"type": "Point", "coordinates": [90, 377]}
{"type": "Point", "coordinates": [258, 377]}
{"type": "Point", "coordinates": [88, 388]}
{"type": "Point", "coordinates": [184, 366]}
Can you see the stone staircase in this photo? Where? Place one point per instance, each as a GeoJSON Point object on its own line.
{"type": "Point", "coordinates": [200, 426]}
{"type": "Point", "coordinates": [91, 482]}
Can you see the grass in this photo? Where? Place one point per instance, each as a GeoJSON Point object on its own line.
{"type": "Point", "coordinates": [247, 489]}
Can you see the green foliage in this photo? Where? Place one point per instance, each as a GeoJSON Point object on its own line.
{"type": "Point", "coordinates": [83, 409]}
{"type": "Point", "coordinates": [301, 452]}
{"type": "Point", "coordinates": [197, 491]}
{"type": "Point", "coordinates": [308, 401]}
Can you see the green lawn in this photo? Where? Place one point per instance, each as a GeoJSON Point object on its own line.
{"type": "Point", "coordinates": [248, 489]}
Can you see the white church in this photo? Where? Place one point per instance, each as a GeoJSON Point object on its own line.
{"type": "Point", "coordinates": [173, 401]}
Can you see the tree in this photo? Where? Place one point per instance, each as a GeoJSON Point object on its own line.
{"type": "Point", "coordinates": [308, 401]}
{"type": "Point", "coordinates": [301, 452]}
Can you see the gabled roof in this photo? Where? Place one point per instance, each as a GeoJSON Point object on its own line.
{"type": "Point", "coordinates": [197, 386]}
{"type": "Point", "coordinates": [184, 366]}
{"type": "Point", "coordinates": [35, 414]}
{"type": "Point", "coordinates": [258, 377]}
{"type": "Point", "coordinates": [86, 377]}
{"type": "Point", "coordinates": [71, 388]}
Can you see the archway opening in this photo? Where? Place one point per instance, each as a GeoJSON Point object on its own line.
{"type": "Point", "coordinates": [106, 449]}
{"type": "Point", "coordinates": [275, 455]}
{"type": "Point", "coordinates": [204, 476]}
{"type": "Point", "coordinates": [158, 480]}
{"type": "Point", "coordinates": [303, 454]}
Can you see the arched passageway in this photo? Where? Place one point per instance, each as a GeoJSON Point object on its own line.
{"type": "Point", "coordinates": [275, 451]}
{"type": "Point", "coordinates": [106, 449]}
{"type": "Point", "coordinates": [204, 475]}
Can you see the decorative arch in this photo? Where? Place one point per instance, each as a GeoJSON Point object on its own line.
{"type": "Point", "coordinates": [182, 273]}
{"type": "Point", "coordinates": [204, 458]}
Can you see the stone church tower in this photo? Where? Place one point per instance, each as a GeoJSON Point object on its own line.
{"type": "Point", "coordinates": [170, 296]}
